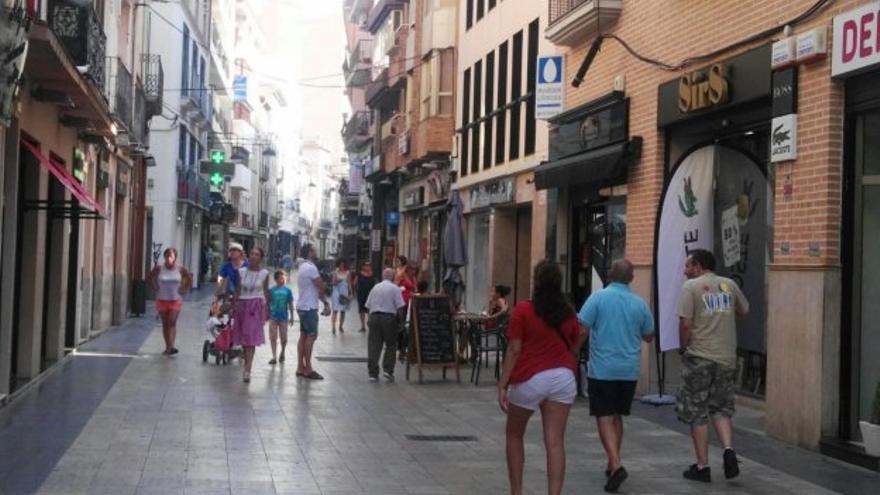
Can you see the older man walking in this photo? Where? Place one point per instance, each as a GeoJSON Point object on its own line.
{"type": "Point", "coordinates": [383, 303]}
{"type": "Point", "coordinates": [618, 321]}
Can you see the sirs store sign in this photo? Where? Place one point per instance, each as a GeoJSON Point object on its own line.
{"type": "Point", "coordinates": [856, 40]}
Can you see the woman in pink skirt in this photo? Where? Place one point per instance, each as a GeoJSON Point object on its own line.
{"type": "Point", "coordinates": [251, 309]}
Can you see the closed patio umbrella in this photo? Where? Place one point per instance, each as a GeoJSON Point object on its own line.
{"type": "Point", "coordinates": [455, 248]}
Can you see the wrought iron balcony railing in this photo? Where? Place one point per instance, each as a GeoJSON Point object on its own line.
{"type": "Point", "coordinates": [154, 83]}
{"type": "Point", "coordinates": [77, 26]}
{"type": "Point", "coordinates": [561, 8]}
{"type": "Point", "coordinates": [356, 130]}
{"type": "Point", "coordinates": [119, 91]}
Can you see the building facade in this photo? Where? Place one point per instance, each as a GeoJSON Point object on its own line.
{"type": "Point", "coordinates": [73, 165]}
{"type": "Point", "coordinates": [752, 139]}
{"type": "Point", "coordinates": [500, 143]}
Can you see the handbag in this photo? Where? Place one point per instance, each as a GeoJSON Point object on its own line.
{"type": "Point", "coordinates": [344, 300]}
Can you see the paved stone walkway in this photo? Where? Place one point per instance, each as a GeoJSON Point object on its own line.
{"type": "Point", "coordinates": [176, 425]}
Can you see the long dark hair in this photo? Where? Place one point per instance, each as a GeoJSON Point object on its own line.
{"type": "Point", "coordinates": [550, 304]}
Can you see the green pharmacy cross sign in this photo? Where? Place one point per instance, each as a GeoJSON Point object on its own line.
{"type": "Point", "coordinates": [217, 168]}
{"type": "Point", "coordinates": [218, 156]}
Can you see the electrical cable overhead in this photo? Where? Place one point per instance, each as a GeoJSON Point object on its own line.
{"type": "Point", "coordinates": [594, 48]}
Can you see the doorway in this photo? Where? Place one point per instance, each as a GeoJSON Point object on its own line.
{"type": "Point", "coordinates": [598, 239]}
{"type": "Point", "coordinates": [523, 275]}
{"type": "Point", "coordinates": [863, 372]}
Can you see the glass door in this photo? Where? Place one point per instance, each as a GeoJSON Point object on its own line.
{"type": "Point", "coordinates": [598, 239]}
{"type": "Point", "coordinates": [866, 268]}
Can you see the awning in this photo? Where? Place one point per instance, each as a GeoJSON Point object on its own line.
{"type": "Point", "coordinates": [602, 167]}
{"type": "Point", "coordinates": [87, 207]}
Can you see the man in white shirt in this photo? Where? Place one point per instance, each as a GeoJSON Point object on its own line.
{"type": "Point", "coordinates": [383, 302]}
{"type": "Point", "coordinates": [311, 291]}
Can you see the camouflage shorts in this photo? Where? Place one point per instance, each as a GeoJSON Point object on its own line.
{"type": "Point", "coordinates": [707, 388]}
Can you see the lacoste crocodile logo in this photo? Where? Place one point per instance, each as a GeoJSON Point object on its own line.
{"type": "Point", "coordinates": [689, 205]}
{"type": "Point", "coordinates": [780, 137]}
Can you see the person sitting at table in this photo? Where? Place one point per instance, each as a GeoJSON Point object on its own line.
{"type": "Point", "coordinates": [497, 309]}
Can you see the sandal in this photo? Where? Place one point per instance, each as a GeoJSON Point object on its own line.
{"type": "Point", "coordinates": [273, 361]}
{"type": "Point", "coordinates": [246, 377]}
{"type": "Point", "coordinates": [281, 358]}
{"type": "Point", "coordinates": [314, 375]}
{"type": "Point", "coordinates": [300, 373]}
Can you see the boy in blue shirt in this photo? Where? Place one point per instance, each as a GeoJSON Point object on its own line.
{"type": "Point", "coordinates": [618, 321]}
{"type": "Point", "coordinates": [280, 311]}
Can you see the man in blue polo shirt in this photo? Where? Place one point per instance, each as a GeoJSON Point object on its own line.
{"type": "Point", "coordinates": [618, 321]}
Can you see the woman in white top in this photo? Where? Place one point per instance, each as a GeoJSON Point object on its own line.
{"type": "Point", "coordinates": [169, 281]}
{"type": "Point", "coordinates": [340, 297]}
{"type": "Point", "coordinates": [251, 308]}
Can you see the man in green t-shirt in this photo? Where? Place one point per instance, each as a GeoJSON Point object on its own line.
{"type": "Point", "coordinates": [707, 310]}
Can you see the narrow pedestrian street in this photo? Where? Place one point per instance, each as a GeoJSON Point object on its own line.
{"type": "Point", "coordinates": [119, 418]}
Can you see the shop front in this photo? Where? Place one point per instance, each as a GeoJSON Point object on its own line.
{"type": "Point", "coordinates": [500, 226]}
{"type": "Point", "coordinates": [859, 73]}
{"type": "Point", "coordinates": [590, 154]}
{"type": "Point", "coordinates": [423, 218]}
{"type": "Point", "coordinates": [716, 123]}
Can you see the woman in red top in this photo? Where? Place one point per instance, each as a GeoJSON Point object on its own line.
{"type": "Point", "coordinates": [544, 340]}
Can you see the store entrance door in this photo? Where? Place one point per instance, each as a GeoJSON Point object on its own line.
{"type": "Point", "coordinates": [598, 239]}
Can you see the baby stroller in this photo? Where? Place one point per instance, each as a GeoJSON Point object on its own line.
{"type": "Point", "coordinates": [219, 345]}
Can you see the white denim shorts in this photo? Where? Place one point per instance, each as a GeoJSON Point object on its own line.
{"type": "Point", "coordinates": [557, 385]}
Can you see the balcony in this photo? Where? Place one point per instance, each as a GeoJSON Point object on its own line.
{"type": "Point", "coordinates": [380, 11]}
{"type": "Point", "coordinates": [118, 92]}
{"type": "Point", "coordinates": [326, 225]}
{"type": "Point", "coordinates": [78, 28]}
{"type": "Point", "coordinates": [196, 101]}
{"type": "Point", "coordinates": [380, 95]}
{"type": "Point", "coordinates": [138, 131]}
{"type": "Point", "coordinates": [246, 221]}
{"type": "Point", "coordinates": [358, 65]}
{"type": "Point", "coordinates": [154, 83]}
{"type": "Point", "coordinates": [356, 131]}
{"type": "Point", "coordinates": [265, 172]}
{"type": "Point", "coordinates": [193, 189]}
{"type": "Point", "coordinates": [573, 21]}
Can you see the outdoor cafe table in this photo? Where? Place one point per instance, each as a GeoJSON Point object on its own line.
{"type": "Point", "coordinates": [467, 324]}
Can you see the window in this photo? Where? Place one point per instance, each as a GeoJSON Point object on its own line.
{"type": "Point", "coordinates": [489, 108]}
{"type": "Point", "coordinates": [501, 118]}
{"type": "Point", "coordinates": [437, 84]}
{"type": "Point", "coordinates": [469, 14]}
{"type": "Point", "coordinates": [481, 6]}
{"type": "Point", "coordinates": [465, 120]}
{"type": "Point", "coordinates": [515, 93]}
{"type": "Point", "coordinates": [475, 144]}
{"type": "Point", "coordinates": [193, 147]}
{"type": "Point", "coordinates": [491, 4]}
{"type": "Point", "coordinates": [184, 82]}
{"type": "Point", "coordinates": [530, 82]}
{"type": "Point", "coordinates": [181, 145]}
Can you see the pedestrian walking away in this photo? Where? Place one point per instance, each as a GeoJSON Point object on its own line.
{"type": "Point", "coordinates": [544, 338]}
{"type": "Point", "coordinates": [365, 283]}
{"type": "Point", "coordinates": [281, 312]}
{"type": "Point", "coordinates": [251, 308]}
{"type": "Point", "coordinates": [707, 310]}
{"type": "Point", "coordinates": [169, 281]}
{"type": "Point", "coordinates": [311, 291]}
{"type": "Point", "coordinates": [340, 297]}
{"type": "Point", "coordinates": [617, 321]}
{"type": "Point", "coordinates": [384, 304]}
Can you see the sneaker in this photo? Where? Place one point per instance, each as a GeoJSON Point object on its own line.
{"type": "Point", "coordinates": [388, 377]}
{"type": "Point", "coordinates": [374, 379]}
{"type": "Point", "coordinates": [616, 479]}
{"type": "Point", "coordinates": [731, 464]}
{"type": "Point", "coordinates": [693, 473]}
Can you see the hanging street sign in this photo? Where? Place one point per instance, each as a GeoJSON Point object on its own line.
{"type": "Point", "coordinates": [549, 92]}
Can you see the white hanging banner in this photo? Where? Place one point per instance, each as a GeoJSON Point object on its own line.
{"type": "Point", "coordinates": [686, 223]}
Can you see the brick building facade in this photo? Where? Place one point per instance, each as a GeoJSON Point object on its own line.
{"type": "Point", "coordinates": [805, 367]}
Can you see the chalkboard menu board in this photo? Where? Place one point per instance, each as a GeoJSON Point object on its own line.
{"type": "Point", "coordinates": [433, 330]}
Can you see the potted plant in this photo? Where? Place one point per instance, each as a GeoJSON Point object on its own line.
{"type": "Point", "coordinates": [871, 430]}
